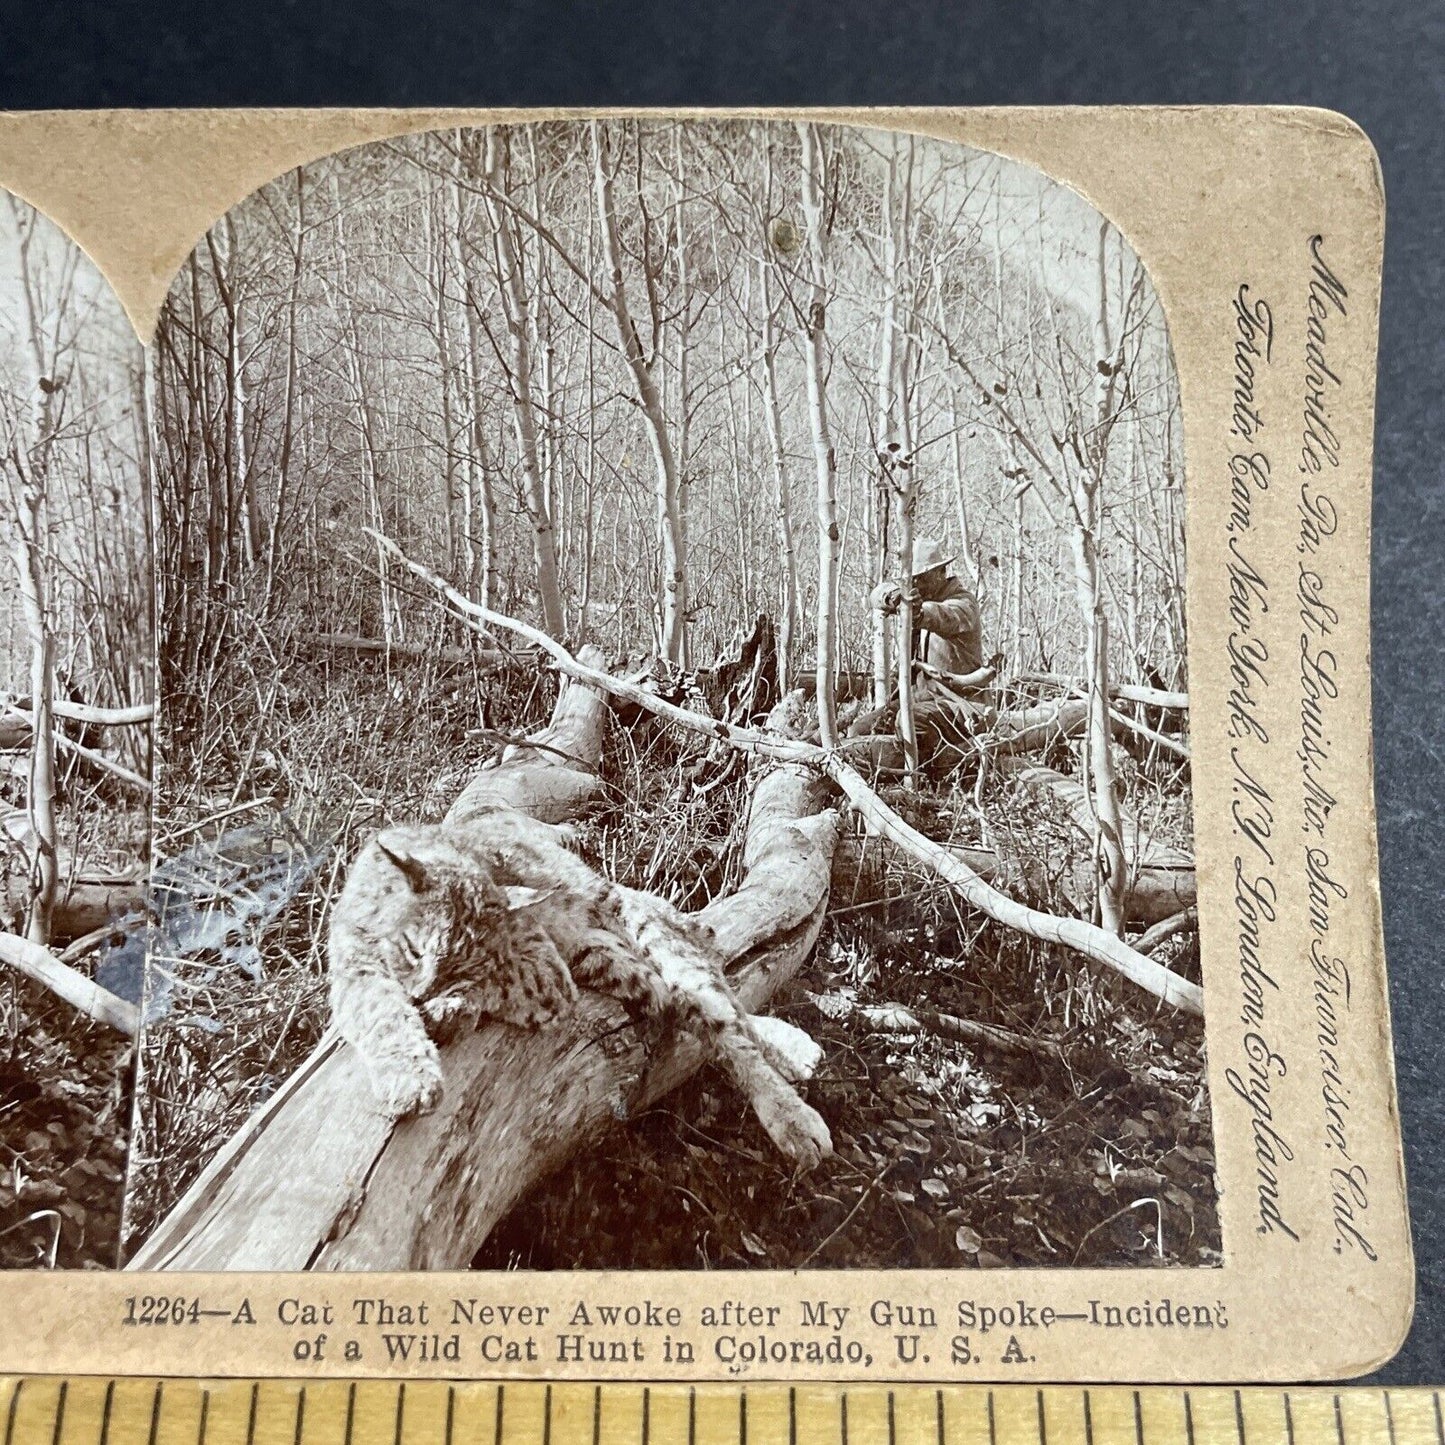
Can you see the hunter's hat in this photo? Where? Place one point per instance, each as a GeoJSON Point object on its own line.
{"type": "Point", "coordinates": [928, 553]}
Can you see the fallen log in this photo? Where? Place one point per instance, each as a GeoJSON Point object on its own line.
{"type": "Point", "coordinates": [1034, 729]}
{"type": "Point", "coordinates": [487, 659]}
{"type": "Point", "coordinates": [1141, 849]}
{"type": "Point", "coordinates": [319, 1179]}
{"type": "Point", "coordinates": [1128, 691]}
{"type": "Point", "coordinates": [64, 982]}
{"type": "Point", "coordinates": [84, 905]}
{"type": "Point", "coordinates": [896, 1018]}
{"type": "Point", "coordinates": [1073, 933]}
{"type": "Point", "coordinates": [1151, 896]}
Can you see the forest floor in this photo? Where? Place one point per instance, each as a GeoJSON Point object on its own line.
{"type": "Point", "coordinates": [945, 1155]}
{"type": "Point", "coordinates": [65, 1093]}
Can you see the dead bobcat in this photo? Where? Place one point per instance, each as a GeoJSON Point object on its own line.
{"type": "Point", "coordinates": [424, 935]}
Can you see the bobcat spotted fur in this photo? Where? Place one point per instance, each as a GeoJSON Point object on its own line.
{"type": "Point", "coordinates": [425, 942]}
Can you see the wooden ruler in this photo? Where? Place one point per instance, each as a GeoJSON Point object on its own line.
{"type": "Point", "coordinates": [97, 1411]}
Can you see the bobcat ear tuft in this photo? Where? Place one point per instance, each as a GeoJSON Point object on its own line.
{"type": "Point", "coordinates": [408, 866]}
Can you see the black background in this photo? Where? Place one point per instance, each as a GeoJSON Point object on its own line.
{"type": "Point", "coordinates": [1381, 63]}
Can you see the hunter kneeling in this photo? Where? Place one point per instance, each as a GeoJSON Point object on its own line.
{"type": "Point", "coordinates": [951, 693]}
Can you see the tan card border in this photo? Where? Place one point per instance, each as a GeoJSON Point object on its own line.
{"type": "Point", "coordinates": [1211, 199]}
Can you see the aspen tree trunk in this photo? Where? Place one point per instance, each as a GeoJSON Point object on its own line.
{"type": "Point", "coordinates": [515, 308]}
{"type": "Point", "coordinates": [464, 383]}
{"type": "Point", "coordinates": [666, 489]}
{"type": "Point", "coordinates": [960, 491]}
{"type": "Point", "coordinates": [436, 228]}
{"type": "Point", "coordinates": [1113, 865]}
{"type": "Point", "coordinates": [898, 469]}
{"type": "Point", "coordinates": [814, 185]}
{"type": "Point", "coordinates": [782, 510]}
{"type": "Point", "coordinates": [29, 555]}
{"type": "Point", "coordinates": [880, 498]}
{"type": "Point", "coordinates": [288, 404]}
{"type": "Point", "coordinates": [40, 791]}
{"type": "Point", "coordinates": [365, 418]}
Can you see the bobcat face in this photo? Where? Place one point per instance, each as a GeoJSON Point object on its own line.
{"type": "Point", "coordinates": [434, 907]}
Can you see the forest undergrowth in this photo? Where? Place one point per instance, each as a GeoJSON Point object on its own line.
{"type": "Point", "coordinates": [65, 1084]}
{"type": "Point", "coordinates": [946, 1154]}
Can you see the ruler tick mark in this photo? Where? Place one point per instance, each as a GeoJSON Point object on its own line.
{"type": "Point", "coordinates": [942, 1432]}
{"type": "Point", "coordinates": [1138, 1420]}
{"type": "Point", "coordinates": [497, 1429]}
{"type": "Point", "coordinates": [892, 1428]}
{"type": "Point", "coordinates": [992, 1425]}
{"type": "Point", "coordinates": [10, 1418]}
{"type": "Point", "coordinates": [452, 1409]}
{"type": "Point", "coordinates": [156, 1412]}
{"type": "Point", "coordinates": [792, 1415]}
{"type": "Point", "coordinates": [1043, 1422]}
{"type": "Point", "coordinates": [1339, 1421]}
{"type": "Point", "coordinates": [1188, 1418]}
{"type": "Point", "coordinates": [400, 1407]}
{"type": "Point", "coordinates": [300, 1417]}
{"type": "Point", "coordinates": [596, 1416]}
{"type": "Point", "coordinates": [60, 1413]}
{"type": "Point", "coordinates": [692, 1416]}
{"type": "Point", "coordinates": [742, 1418]}
{"type": "Point", "coordinates": [105, 1413]}
{"type": "Point", "coordinates": [1239, 1417]}
{"type": "Point", "coordinates": [1288, 1418]}
{"type": "Point", "coordinates": [843, 1417]}
{"type": "Point", "coordinates": [1088, 1420]}
{"type": "Point", "coordinates": [646, 1412]}
{"type": "Point", "coordinates": [1389, 1418]}
{"type": "Point", "coordinates": [547, 1416]}
{"type": "Point", "coordinates": [1439, 1423]}
{"type": "Point", "coordinates": [251, 1419]}
{"type": "Point", "coordinates": [205, 1419]}
{"type": "Point", "coordinates": [350, 1414]}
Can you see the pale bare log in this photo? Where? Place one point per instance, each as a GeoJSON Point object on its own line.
{"type": "Point", "coordinates": [82, 905]}
{"type": "Point", "coordinates": [1153, 894]}
{"type": "Point", "coordinates": [1166, 928]}
{"type": "Point", "coordinates": [75, 988]}
{"type": "Point", "coordinates": [1163, 740]}
{"type": "Point", "coordinates": [108, 717]}
{"type": "Point", "coordinates": [1128, 691]}
{"type": "Point", "coordinates": [1074, 933]}
{"type": "Point", "coordinates": [895, 1018]}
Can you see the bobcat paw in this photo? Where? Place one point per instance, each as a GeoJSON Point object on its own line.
{"type": "Point", "coordinates": [796, 1128]}
{"type": "Point", "coordinates": [794, 1053]}
{"type": "Point", "coordinates": [448, 1015]}
{"type": "Point", "coordinates": [408, 1086]}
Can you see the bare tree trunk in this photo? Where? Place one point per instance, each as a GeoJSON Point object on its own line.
{"type": "Point", "coordinates": [288, 405]}
{"type": "Point", "coordinates": [40, 791]}
{"type": "Point", "coordinates": [669, 513]}
{"type": "Point", "coordinates": [880, 497]}
{"type": "Point", "coordinates": [814, 178]}
{"type": "Point", "coordinates": [1113, 865]}
{"type": "Point", "coordinates": [29, 551]}
{"type": "Point", "coordinates": [514, 305]}
{"type": "Point", "coordinates": [788, 626]}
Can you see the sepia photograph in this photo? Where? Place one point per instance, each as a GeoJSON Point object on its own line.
{"type": "Point", "coordinates": [76, 651]}
{"type": "Point", "coordinates": [673, 718]}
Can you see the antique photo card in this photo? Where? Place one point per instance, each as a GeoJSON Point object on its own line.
{"type": "Point", "coordinates": [780, 693]}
